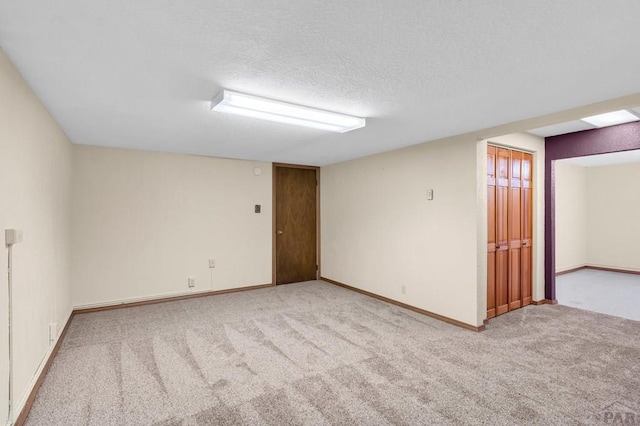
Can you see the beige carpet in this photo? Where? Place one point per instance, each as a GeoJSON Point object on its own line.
{"type": "Point", "coordinates": [317, 354]}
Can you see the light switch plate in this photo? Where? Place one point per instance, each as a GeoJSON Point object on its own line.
{"type": "Point", "coordinates": [429, 194]}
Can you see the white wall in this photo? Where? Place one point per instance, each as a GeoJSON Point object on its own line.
{"type": "Point", "coordinates": [379, 231]}
{"type": "Point", "coordinates": [597, 216]}
{"type": "Point", "coordinates": [613, 221]}
{"type": "Point", "coordinates": [144, 222]}
{"type": "Point", "coordinates": [535, 145]}
{"type": "Point", "coordinates": [571, 216]}
{"type": "Point", "coordinates": [35, 186]}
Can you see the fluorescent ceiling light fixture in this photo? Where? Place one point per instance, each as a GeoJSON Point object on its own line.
{"type": "Point", "coordinates": [283, 112]}
{"type": "Point", "coordinates": [611, 118]}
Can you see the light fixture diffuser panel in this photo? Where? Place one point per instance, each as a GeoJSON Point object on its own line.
{"type": "Point", "coordinates": [283, 112]}
{"type": "Point", "coordinates": [611, 118]}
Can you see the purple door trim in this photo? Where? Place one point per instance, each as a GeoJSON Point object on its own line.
{"type": "Point", "coordinates": [624, 137]}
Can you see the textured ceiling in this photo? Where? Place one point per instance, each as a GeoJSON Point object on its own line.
{"type": "Point", "coordinates": [141, 74]}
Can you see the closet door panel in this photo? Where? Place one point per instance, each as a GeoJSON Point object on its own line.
{"type": "Point", "coordinates": [502, 241]}
{"type": "Point", "coordinates": [515, 229]}
{"type": "Point", "coordinates": [491, 232]}
{"type": "Point", "coordinates": [527, 229]}
{"type": "Point", "coordinates": [509, 230]}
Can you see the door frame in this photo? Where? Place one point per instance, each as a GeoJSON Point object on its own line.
{"type": "Point", "coordinates": [524, 143]}
{"type": "Point", "coordinates": [623, 137]}
{"type": "Point", "coordinates": [273, 214]}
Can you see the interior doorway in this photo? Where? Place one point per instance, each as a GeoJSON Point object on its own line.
{"type": "Point", "coordinates": [296, 223]}
{"type": "Point", "coordinates": [597, 263]}
{"type": "Point", "coordinates": [619, 138]}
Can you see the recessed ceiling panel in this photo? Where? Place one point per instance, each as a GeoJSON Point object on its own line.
{"type": "Point", "coordinates": [561, 128]}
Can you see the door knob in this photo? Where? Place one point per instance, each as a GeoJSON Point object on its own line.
{"type": "Point", "coordinates": [279, 232]}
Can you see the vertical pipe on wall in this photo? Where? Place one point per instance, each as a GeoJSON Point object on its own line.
{"type": "Point", "coordinates": [10, 306]}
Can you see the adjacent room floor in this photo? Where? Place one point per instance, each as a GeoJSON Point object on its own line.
{"type": "Point", "coordinates": [609, 293]}
{"type": "Point", "coordinates": [314, 353]}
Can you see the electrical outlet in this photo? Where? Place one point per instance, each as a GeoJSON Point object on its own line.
{"type": "Point", "coordinates": [191, 282]}
{"type": "Point", "coordinates": [53, 332]}
{"type": "Point", "coordinates": [212, 263]}
{"type": "Point", "coordinates": [404, 289]}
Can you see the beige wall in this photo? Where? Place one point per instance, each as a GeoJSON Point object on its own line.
{"type": "Point", "coordinates": [144, 222]}
{"type": "Point", "coordinates": [596, 216]}
{"type": "Point", "coordinates": [35, 173]}
{"type": "Point", "coordinates": [571, 216]}
{"type": "Point", "coordinates": [613, 220]}
{"type": "Point", "coordinates": [535, 145]}
{"type": "Point", "coordinates": [380, 233]}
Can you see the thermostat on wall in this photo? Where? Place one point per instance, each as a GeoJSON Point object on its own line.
{"type": "Point", "coordinates": [257, 171]}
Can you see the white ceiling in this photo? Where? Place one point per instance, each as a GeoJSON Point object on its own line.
{"type": "Point", "coordinates": [141, 74]}
{"type": "Point", "coordinates": [605, 159]}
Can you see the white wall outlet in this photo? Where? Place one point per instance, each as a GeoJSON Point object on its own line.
{"type": "Point", "coordinates": [404, 289]}
{"type": "Point", "coordinates": [212, 263]}
{"type": "Point", "coordinates": [429, 194]}
{"type": "Point", "coordinates": [53, 332]}
{"type": "Point", "coordinates": [191, 282]}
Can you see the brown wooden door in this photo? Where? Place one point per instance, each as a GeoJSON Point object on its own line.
{"type": "Point", "coordinates": [491, 231]}
{"type": "Point", "coordinates": [502, 241]}
{"type": "Point", "coordinates": [510, 230]}
{"type": "Point", "coordinates": [296, 224]}
{"type": "Point", "coordinates": [515, 230]}
{"type": "Point", "coordinates": [527, 229]}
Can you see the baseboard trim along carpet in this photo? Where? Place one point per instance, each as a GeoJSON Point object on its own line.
{"type": "Point", "coordinates": [620, 271]}
{"type": "Point", "coordinates": [545, 302]}
{"type": "Point", "coordinates": [163, 299]}
{"type": "Point", "coordinates": [568, 271]}
{"type": "Point", "coordinates": [43, 373]}
{"type": "Point", "coordinates": [34, 391]}
{"type": "Point", "coordinates": [599, 268]}
{"type": "Point", "coordinates": [409, 307]}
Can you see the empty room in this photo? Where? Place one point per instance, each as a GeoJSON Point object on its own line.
{"type": "Point", "coordinates": [285, 213]}
{"type": "Point", "coordinates": [597, 261]}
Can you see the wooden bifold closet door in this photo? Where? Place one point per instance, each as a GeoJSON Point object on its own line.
{"type": "Point", "coordinates": [510, 229]}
